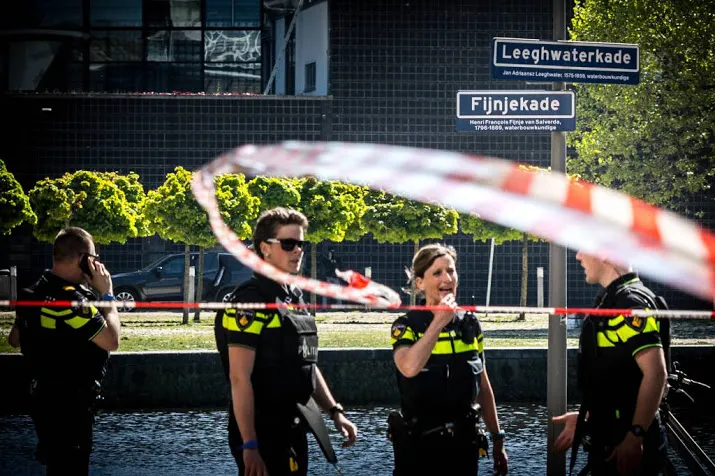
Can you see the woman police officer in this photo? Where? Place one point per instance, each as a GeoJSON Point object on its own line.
{"type": "Point", "coordinates": [442, 378]}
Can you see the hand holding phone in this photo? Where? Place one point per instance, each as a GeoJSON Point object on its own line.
{"type": "Point", "coordinates": [84, 265]}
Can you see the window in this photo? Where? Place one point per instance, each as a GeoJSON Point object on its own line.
{"type": "Point", "coordinates": [174, 45]}
{"type": "Point", "coordinates": [237, 46]}
{"type": "Point", "coordinates": [241, 13]}
{"type": "Point", "coordinates": [309, 77]}
{"type": "Point", "coordinates": [116, 46]}
{"type": "Point", "coordinates": [172, 13]}
{"type": "Point", "coordinates": [173, 266]}
{"type": "Point", "coordinates": [115, 12]}
{"type": "Point", "coordinates": [43, 13]}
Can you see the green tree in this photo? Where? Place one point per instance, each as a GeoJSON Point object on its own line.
{"type": "Point", "coordinates": [175, 215]}
{"type": "Point", "coordinates": [85, 199]}
{"type": "Point", "coordinates": [275, 192]}
{"type": "Point", "coordinates": [655, 140]}
{"type": "Point", "coordinates": [394, 219]}
{"type": "Point", "coordinates": [136, 198]}
{"type": "Point", "coordinates": [331, 208]}
{"type": "Point", "coordinates": [14, 203]}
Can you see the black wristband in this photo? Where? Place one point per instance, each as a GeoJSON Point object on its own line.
{"type": "Point", "coordinates": [337, 408]}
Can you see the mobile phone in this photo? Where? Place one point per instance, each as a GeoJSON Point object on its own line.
{"type": "Point", "coordinates": [84, 265]}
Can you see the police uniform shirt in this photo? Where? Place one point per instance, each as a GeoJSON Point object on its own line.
{"type": "Point", "coordinates": [450, 378]}
{"type": "Point", "coordinates": [58, 340]}
{"type": "Point", "coordinates": [612, 376]}
{"type": "Point", "coordinates": [260, 330]}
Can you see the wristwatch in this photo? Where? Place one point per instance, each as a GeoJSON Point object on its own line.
{"type": "Point", "coordinates": [638, 431]}
{"type": "Point", "coordinates": [108, 297]}
{"type": "Point", "coordinates": [337, 408]}
{"type": "Point", "coordinates": [497, 436]}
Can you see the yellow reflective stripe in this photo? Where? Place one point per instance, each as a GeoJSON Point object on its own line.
{"type": "Point", "coordinates": [480, 343]}
{"type": "Point", "coordinates": [254, 328]}
{"type": "Point", "coordinates": [625, 332]}
{"type": "Point", "coordinates": [274, 323]}
{"type": "Point", "coordinates": [77, 321]}
{"type": "Point", "coordinates": [616, 320]}
{"type": "Point", "coordinates": [48, 322]}
{"type": "Point", "coordinates": [229, 320]}
{"type": "Point", "coordinates": [442, 347]}
{"type": "Point", "coordinates": [603, 341]}
{"type": "Point", "coordinates": [651, 324]}
{"type": "Point", "coordinates": [52, 312]}
{"type": "Point", "coordinates": [461, 346]}
{"type": "Point", "coordinates": [408, 335]}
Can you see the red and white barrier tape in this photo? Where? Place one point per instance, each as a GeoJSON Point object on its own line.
{"type": "Point", "coordinates": [577, 215]}
{"type": "Point", "coordinates": [674, 313]}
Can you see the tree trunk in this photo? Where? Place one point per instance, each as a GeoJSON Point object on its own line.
{"type": "Point", "coordinates": [416, 244]}
{"type": "Point", "coordinates": [524, 273]}
{"type": "Point", "coordinates": [313, 273]}
{"type": "Point", "coordinates": [187, 265]}
{"type": "Point", "coordinates": [199, 284]}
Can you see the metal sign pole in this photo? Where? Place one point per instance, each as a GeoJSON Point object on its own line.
{"type": "Point", "coordinates": [556, 357]}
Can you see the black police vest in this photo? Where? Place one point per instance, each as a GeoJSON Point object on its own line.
{"type": "Point", "coordinates": [285, 368]}
{"type": "Point", "coordinates": [56, 359]}
{"type": "Point", "coordinates": [448, 384]}
{"type": "Point", "coordinates": [603, 393]}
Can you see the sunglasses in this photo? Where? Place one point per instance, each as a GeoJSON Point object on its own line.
{"type": "Point", "coordinates": [90, 255]}
{"type": "Point", "coordinates": [287, 244]}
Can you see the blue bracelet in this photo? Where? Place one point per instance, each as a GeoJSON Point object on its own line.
{"type": "Point", "coordinates": [249, 445]}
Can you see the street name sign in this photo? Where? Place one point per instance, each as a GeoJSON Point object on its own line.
{"type": "Point", "coordinates": [567, 61]}
{"type": "Point", "coordinates": [515, 111]}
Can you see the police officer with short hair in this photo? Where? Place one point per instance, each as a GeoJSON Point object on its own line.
{"type": "Point", "coordinates": [442, 379]}
{"type": "Point", "coordinates": [67, 348]}
{"type": "Point", "coordinates": [270, 360]}
{"type": "Point", "coordinates": [622, 378]}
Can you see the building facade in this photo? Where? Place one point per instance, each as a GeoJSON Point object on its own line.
{"type": "Point", "coordinates": [147, 85]}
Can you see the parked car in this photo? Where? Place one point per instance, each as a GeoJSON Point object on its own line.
{"type": "Point", "coordinates": [163, 280]}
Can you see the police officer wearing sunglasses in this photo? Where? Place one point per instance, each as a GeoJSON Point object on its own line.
{"type": "Point", "coordinates": [270, 360]}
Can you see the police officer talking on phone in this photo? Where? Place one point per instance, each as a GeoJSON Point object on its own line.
{"type": "Point", "coordinates": [67, 349]}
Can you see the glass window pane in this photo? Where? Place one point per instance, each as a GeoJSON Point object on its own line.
{"type": "Point", "coordinates": [232, 46]}
{"type": "Point", "coordinates": [115, 12]}
{"type": "Point", "coordinates": [168, 77]}
{"type": "Point", "coordinates": [115, 46]}
{"type": "Point", "coordinates": [173, 13]}
{"type": "Point", "coordinates": [43, 13]}
{"type": "Point", "coordinates": [174, 45]}
{"type": "Point", "coordinates": [245, 13]}
{"type": "Point", "coordinates": [232, 78]}
{"type": "Point", "coordinates": [116, 77]}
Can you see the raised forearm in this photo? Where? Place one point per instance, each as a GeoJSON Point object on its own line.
{"type": "Point", "coordinates": [414, 358]}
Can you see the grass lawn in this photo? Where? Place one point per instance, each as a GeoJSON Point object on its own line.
{"type": "Point", "coordinates": [148, 331]}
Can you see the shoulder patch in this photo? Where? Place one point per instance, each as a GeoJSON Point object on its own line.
{"type": "Point", "coordinates": [245, 319]}
{"type": "Point", "coordinates": [398, 329]}
{"type": "Point", "coordinates": [636, 323]}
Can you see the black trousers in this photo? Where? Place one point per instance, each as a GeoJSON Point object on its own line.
{"type": "Point", "coordinates": [64, 428]}
{"type": "Point", "coordinates": [426, 451]}
{"type": "Point", "coordinates": [282, 444]}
